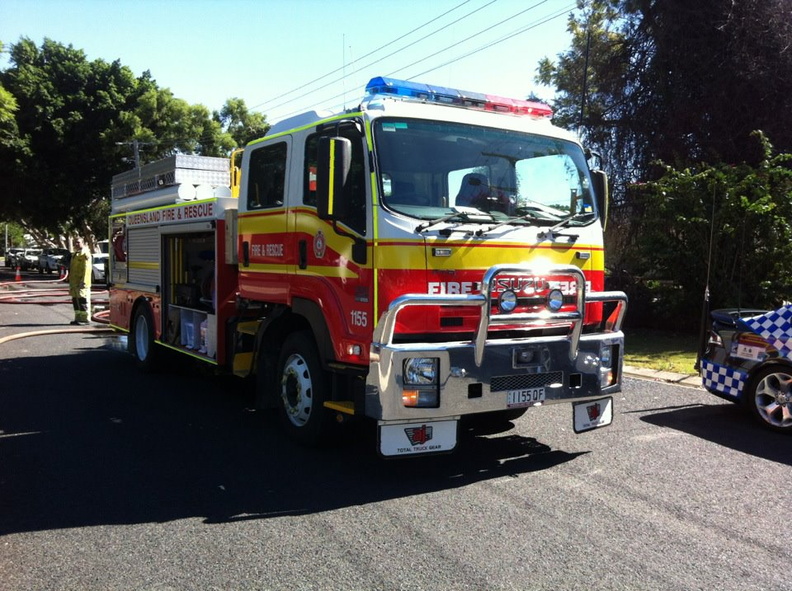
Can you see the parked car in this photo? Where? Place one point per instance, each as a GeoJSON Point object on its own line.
{"type": "Point", "coordinates": [748, 360]}
{"type": "Point", "coordinates": [99, 272]}
{"type": "Point", "coordinates": [29, 258]}
{"type": "Point", "coordinates": [11, 256]}
{"type": "Point", "coordinates": [50, 258]}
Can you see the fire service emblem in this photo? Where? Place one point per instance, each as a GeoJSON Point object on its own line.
{"type": "Point", "coordinates": [419, 435]}
{"type": "Point", "coordinates": [319, 245]}
{"type": "Point", "coordinates": [594, 411]}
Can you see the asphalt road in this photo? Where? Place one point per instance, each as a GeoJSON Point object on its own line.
{"type": "Point", "coordinates": [110, 479]}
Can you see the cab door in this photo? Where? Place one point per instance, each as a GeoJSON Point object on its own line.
{"type": "Point", "coordinates": [333, 256]}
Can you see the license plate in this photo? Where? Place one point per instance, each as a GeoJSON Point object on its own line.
{"type": "Point", "coordinates": [748, 352]}
{"type": "Point", "coordinates": [524, 397]}
{"type": "Point", "coordinates": [592, 414]}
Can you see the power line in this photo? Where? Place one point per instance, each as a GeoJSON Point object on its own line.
{"type": "Point", "coordinates": [525, 29]}
{"type": "Point", "coordinates": [521, 31]}
{"type": "Point", "coordinates": [426, 24]}
{"type": "Point", "coordinates": [436, 31]}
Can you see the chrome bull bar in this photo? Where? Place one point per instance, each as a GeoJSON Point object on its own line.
{"type": "Point", "coordinates": [383, 334]}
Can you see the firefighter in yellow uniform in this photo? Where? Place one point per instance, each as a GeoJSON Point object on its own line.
{"type": "Point", "coordinates": [80, 267]}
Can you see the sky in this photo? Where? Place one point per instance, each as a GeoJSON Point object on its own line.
{"type": "Point", "coordinates": [284, 57]}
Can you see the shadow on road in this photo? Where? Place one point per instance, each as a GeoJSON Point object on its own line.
{"type": "Point", "coordinates": [727, 425]}
{"type": "Point", "coordinates": [87, 440]}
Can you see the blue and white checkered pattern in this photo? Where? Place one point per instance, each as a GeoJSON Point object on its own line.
{"type": "Point", "coordinates": [775, 327]}
{"type": "Point", "coordinates": [723, 379]}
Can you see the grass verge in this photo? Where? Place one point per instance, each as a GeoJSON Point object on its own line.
{"type": "Point", "coordinates": [664, 351]}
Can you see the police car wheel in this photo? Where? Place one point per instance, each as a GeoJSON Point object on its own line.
{"type": "Point", "coordinates": [301, 390]}
{"type": "Point", "coordinates": [769, 397]}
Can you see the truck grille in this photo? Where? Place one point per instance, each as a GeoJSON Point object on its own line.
{"type": "Point", "coordinates": [533, 380]}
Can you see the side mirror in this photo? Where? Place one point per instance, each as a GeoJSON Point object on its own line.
{"type": "Point", "coordinates": [333, 163]}
{"type": "Point", "coordinates": [600, 181]}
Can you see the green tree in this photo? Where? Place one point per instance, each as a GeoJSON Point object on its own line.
{"type": "Point", "coordinates": [15, 234]}
{"type": "Point", "coordinates": [169, 125]}
{"type": "Point", "coordinates": [73, 129]}
{"type": "Point", "coordinates": [8, 106]}
{"type": "Point", "coordinates": [243, 125]}
{"type": "Point", "coordinates": [53, 174]}
{"type": "Point", "coordinates": [743, 211]}
{"type": "Point", "coordinates": [683, 82]}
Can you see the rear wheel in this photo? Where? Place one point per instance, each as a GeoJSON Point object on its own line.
{"type": "Point", "coordinates": [769, 396]}
{"type": "Point", "coordinates": [302, 390]}
{"type": "Point", "coordinates": [141, 340]}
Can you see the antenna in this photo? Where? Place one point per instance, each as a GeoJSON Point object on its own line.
{"type": "Point", "coordinates": [705, 304]}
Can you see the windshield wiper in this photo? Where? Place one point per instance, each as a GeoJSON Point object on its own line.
{"type": "Point", "coordinates": [549, 234]}
{"type": "Point", "coordinates": [537, 216]}
{"type": "Point", "coordinates": [479, 218]}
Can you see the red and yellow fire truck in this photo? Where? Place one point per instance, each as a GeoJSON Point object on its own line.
{"type": "Point", "coordinates": [429, 255]}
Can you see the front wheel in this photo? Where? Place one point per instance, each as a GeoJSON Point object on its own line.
{"type": "Point", "coordinates": [769, 397]}
{"type": "Point", "coordinates": [302, 390]}
{"type": "Point", "coordinates": [141, 340]}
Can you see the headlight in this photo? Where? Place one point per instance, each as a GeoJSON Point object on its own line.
{"type": "Point", "coordinates": [555, 299]}
{"type": "Point", "coordinates": [421, 371]}
{"type": "Point", "coordinates": [508, 301]}
{"type": "Point", "coordinates": [605, 356]}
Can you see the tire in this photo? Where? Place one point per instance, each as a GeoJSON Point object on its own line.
{"type": "Point", "coordinates": [302, 390]}
{"type": "Point", "coordinates": [769, 398]}
{"type": "Point", "coordinates": [141, 340]}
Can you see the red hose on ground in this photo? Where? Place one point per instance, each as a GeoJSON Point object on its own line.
{"type": "Point", "coordinates": [34, 296]}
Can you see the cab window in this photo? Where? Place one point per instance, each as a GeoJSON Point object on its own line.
{"type": "Point", "coordinates": [267, 177]}
{"type": "Point", "coordinates": [355, 191]}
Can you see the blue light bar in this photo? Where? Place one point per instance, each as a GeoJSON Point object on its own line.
{"type": "Point", "coordinates": [451, 96]}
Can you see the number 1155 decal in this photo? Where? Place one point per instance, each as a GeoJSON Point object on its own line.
{"type": "Point", "coordinates": [359, 318]}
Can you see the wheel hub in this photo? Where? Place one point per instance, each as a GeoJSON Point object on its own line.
{"type": "Point", "coordinates": [772, 400]}
{"type": "Point", "coordinates": [292, 390]}
{"type": "Point", "coordinates": [296, 391]}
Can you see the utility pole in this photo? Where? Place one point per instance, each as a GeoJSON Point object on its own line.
{"type": "Point", "coordinates": [585, 80]}
{"type": "Point", "coordinates": [136, 145]}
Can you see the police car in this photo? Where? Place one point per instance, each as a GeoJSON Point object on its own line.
{"type": "Point", "coordinates": [748, 360]}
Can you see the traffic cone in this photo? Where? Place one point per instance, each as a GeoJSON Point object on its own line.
{"type": "Point", "coordinates": [61, 272]}
{"type": "Point", "coordinates": [18, 275]}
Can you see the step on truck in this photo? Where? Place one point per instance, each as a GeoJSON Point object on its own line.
{"type": "Point", "coordinates": [429, 256]}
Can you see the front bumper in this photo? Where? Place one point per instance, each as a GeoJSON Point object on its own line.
{"type": "Point", "coordinates": [475, 376]}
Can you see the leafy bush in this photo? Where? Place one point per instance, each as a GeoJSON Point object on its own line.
{"type": "Point", "coordinates": [725, 227]}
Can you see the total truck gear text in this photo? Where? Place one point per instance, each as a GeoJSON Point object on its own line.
{"type": "Point", "coordinates": [430, 255]}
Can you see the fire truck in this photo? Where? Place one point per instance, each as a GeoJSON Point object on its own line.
{"type": "Point", "coordinates": [430, 256]}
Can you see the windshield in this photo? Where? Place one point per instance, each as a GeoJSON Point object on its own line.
{"type": "Point", "coordinates": [431, 169]}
